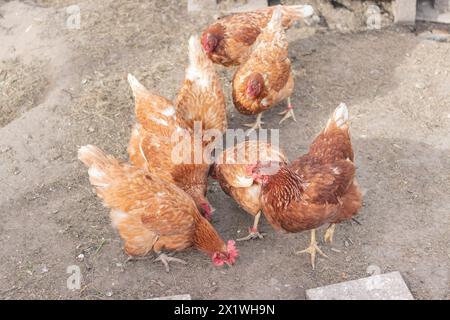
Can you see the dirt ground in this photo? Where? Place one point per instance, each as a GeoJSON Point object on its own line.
{"type": "Point", "coordinates": [62, 88]}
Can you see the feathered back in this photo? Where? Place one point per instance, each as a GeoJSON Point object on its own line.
{"type": "Point", "coordinates": [273, 34]}
{"type": "Point", "coordinates": [155, 113]}
{"type": "Point", "coordinates": [200, 98]}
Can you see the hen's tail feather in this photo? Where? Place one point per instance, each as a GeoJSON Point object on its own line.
{"type": "Point", "coordinates": [136, 86]}
{"type": "Point", "coordinates": [98, 163]}
{"type": "Point", "coordinates": [200, 68]}
{"type": "Point", "coordinates": [275, 22]}
{"type": "Point", "coordinates": [196, 53]}
{"type": "Point", "coordinates": [339, 118]}
{"type": "Point", "coordinates": [297, 12]}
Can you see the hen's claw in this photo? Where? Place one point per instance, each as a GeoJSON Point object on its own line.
{"type": "Point", "coordinates": [253, 234]}
{"type": "Point", "coordinates": [312, 249]}
{"type": "Point", "coordinates": [165, 259]}
{"type": "Point", "coordinates": [288, 113]}
{"type": "Point", "coordinates": [256, 125]}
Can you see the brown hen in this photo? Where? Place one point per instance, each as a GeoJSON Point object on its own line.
{"type": "Point", "coordinates": [234, 173]}
{"type": "Point", "coordinates": [150, 213]}
{"type": "Point", "coordinates": [229, 41]}
{"type": "Point", "coordinates": [200, 102]}
{"type": "Point", "coordinates": [316, 189]}
{"type": "Point", "coordinates": [265, 79]}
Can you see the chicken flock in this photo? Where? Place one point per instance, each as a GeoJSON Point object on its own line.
{"type": "Point", "coordinates": [158, 204]}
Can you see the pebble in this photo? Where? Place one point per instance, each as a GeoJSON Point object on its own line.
{"type": "Point", "coordinates": [80, 257]}
{"type": "Point", "coordinates": [44, 269]}
{"type": "Point", "coordinates": [420, 85]}
{"type": "Point", "coordinates": [109, 293]}
{"type": "Point", "coordinates": [5, 149]}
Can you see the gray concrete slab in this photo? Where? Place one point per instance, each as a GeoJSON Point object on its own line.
{"type": "Point", "coordinates": [388, 286]}
{"type": "Point", "coordinates": [405, 11]}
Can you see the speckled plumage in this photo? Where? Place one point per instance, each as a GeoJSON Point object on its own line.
{"type": "Point", "coordinates": [238, 32]}
{"type": "Point", "coordinates": [317, 188]}
{"type": "Point", "coordinates": [270, 60]}
{"type": "Point", "coordinates": [150, 213]}
{"type": "Point", "coordinates": [234, 178]}
{"type": "Point", "coordinates": [199, 99]}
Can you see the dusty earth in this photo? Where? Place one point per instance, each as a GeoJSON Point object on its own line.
{"type": "Point", "coordinates": [62, 88]}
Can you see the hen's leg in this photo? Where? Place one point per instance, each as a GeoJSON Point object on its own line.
{"type": "Point", "coordinates": [256, 125]}
{"type": "Point", "coordinates": [254, 233]}
{"type": "Point", "coordinates": [165, 259]}
{"type": "Point", "coordinates": [328, 236]}
{"type": "Point", "coordinates": [289, 112]}
{"type": "Point", "coordinates": [313, 247]}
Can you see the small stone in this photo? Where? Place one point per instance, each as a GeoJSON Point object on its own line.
{"type": "Point", "coordinates": [420, 85]}
{"type": "Point", "coordinates": [80, 257]}
{"type": "Point", "coordinates": [109, 293]}
{"type": "Point", "coordinates": [44, 269]}
{"type": "Point", "coordinates": [91, 129]}
{"type": "Point", "coordinates": [346, 244]}
{"type": "Point", "coordinates": [5, 149]}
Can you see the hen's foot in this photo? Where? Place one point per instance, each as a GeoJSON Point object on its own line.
{"type": "Point", "coordinates": [256, 125]}
{"type": "Point", "coordinates": [312, 249]}
{"type": "Point", "coordinates": [328, 236]}
{"type": "Point", "coordinates": [288, 113]}
{"type": "Point", "coordinates": [131, 258]}
{"type": "Point", "coordinates": [253, 234]}
{"type": "Point", "coordinates": [165, 259]}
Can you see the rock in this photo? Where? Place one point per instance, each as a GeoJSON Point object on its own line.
{"type": "Point", "coordinates": [5, 149]}
{"type": "Point", "coordinates": [388, 286]}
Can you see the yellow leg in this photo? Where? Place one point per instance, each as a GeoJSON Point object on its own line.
{"type": "Point", "coordinates": [313, 247]}
{"type": "Point", "coordinates": [328, 236]}
{"type": "Point", "coordinates": [254, 233]}
{"type": "Point", "coordinates": [165, 259]}
{"type": "Point", "coordinates": [256, 125]}
{"type": "Point", "coordinates": [289, 112]}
